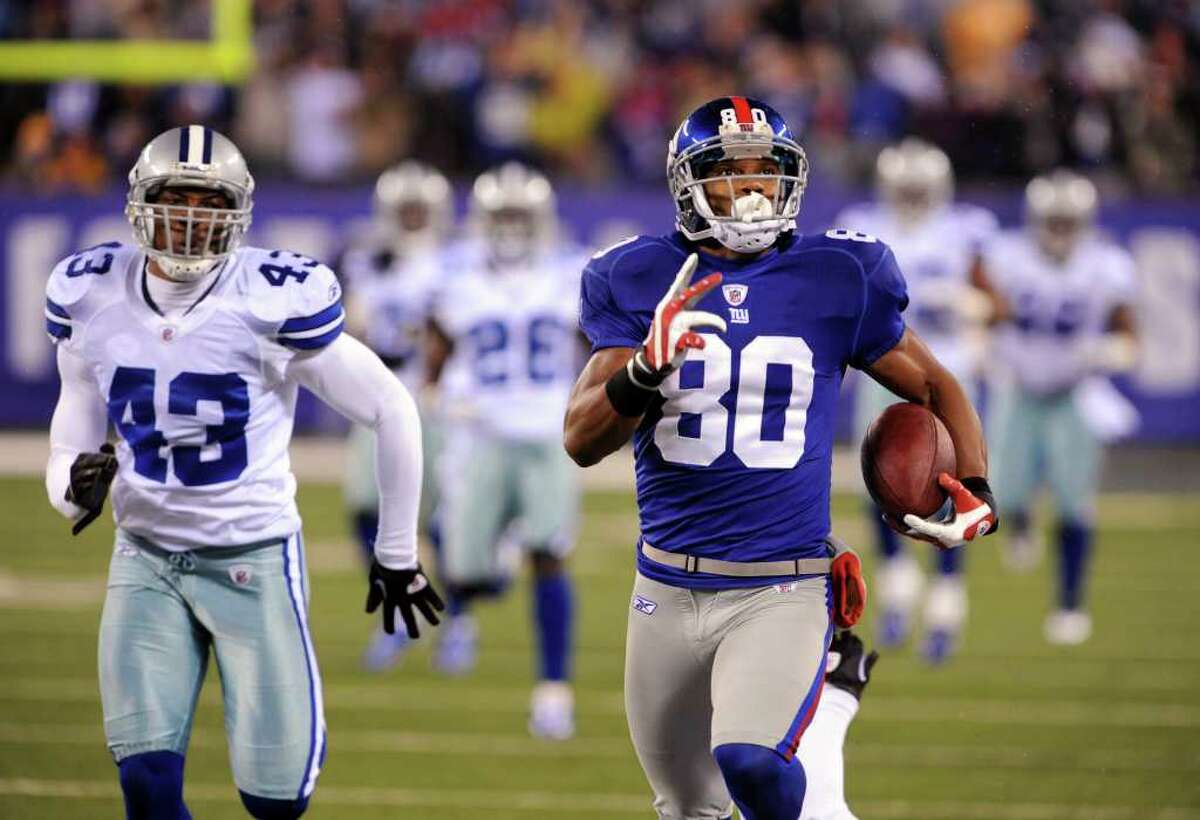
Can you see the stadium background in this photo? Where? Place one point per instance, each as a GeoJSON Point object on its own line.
{"type": "Point", "coordinates": [323, 95]}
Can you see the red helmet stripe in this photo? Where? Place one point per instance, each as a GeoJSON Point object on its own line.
{"type": "Point", "coordinates": [742, 109]}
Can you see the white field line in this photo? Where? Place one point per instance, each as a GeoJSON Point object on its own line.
{"type": "Point", "coordinates": [934, 709]}
{"type": "Point", "coordinates": [543, 801]}
{"type": "Point", "coordinates": [874, 755]}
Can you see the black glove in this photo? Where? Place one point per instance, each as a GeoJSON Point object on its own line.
{"type": "Point", "coordinates": [91, 475]}
{"type": "Point", "coordinates": [403, 589]}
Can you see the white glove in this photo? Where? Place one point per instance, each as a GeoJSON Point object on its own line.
{"type": "Point", "coordinates": [673, 331]}
{"type": "Point", "coordinates": [974, 516]}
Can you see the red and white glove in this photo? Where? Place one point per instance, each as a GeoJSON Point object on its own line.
{"type": "Point", "coordinates": [674, 329]}
{"type": "Point", "coordinates": [974, 514]}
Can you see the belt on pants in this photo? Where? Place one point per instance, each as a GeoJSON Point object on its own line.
{"type": "Point", "coordinates": [740, 569]}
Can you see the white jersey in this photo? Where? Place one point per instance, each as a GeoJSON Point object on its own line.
{"type": "Point", "coordinates": [935, 256]}
{"type": "Point", "coordinates": [1059, 311]}
{"type": "Point", "coordinates": [516, 348]}
{"type": "Point", "coordinates": [389, 295]}
{"type": "Point", "coordinates": [200, 401]}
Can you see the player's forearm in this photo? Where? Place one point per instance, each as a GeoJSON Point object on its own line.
{"type": "Point", "coordinates": [79, 424]}
{"type": "Point", "coordinates": [353, 381]}
{"type": "Point", "coordinates": [949, 402]}
{"type": "Point", "coordinates": [398, 460]}
{"type": "Point", "coordinates": [593, 428]}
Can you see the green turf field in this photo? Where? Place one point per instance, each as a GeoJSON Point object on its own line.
{"type": "Point", "coordinates": [1012, 729]}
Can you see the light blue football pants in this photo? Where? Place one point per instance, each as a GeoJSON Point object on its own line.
{"type": "Point", "coordinates": [163, 613]}
{"type": "Point", "coordinates": [1043, 437]}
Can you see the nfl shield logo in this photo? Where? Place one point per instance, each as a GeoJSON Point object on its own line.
{"type": "Point", "coordinates": [240, 574]}
{"type": "Point", "coordinates": [735, 294]}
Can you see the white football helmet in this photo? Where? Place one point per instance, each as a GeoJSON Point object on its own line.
{"type": "Point", "coordinates": [513, 206]}
{"type": "Point", "coordinates": [1060, 208]}
{"type": "Point", "coordinates": [413, 204]}
{"type": "Point", "coordinates": [914, 178]}
{"type": "Point", "coordinates": [188, 242]}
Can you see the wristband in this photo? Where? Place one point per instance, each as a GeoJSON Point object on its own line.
{"type": "Point", "coordinates": [626, 396]}
{"type": "Point", "coordinates": [978, 485]}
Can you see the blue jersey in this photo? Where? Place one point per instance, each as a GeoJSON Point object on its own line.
{"type": "Point", "coordinates": [734, 460]}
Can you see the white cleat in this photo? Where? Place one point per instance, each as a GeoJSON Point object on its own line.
{"type": "Point", "coordinates": [1068, 627]}
{"type": "Point", "coordinates": [457, 646]}
{"type": "Point", "coordinates": [1023, 552]}
{"type": "Point", "coordinates": [945, 616]}
{"type": "Point", "coordinates": [552, 711]}
{"type": "Point", "coordinates": [899, 582]}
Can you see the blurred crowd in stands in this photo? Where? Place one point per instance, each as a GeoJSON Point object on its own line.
{"type": "Point", "coordinates": [592, 89]}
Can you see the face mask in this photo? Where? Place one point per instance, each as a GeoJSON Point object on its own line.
{"type": "Point", "coordinates": [752, 229]}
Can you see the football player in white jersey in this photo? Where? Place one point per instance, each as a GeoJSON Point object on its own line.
{"type": "Point", "coordinates": [389, 274]}
{"type": "Point", "coordinates": [1067, 295]}
{"type": "Point", "coordinates": [504, 351]}
{"type": "Point", "coordinates": [193, 347]}
{"type": "Point", "coordinates": [937, 243]}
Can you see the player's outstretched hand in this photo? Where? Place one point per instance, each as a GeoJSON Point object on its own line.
{"type": "Point", "coordinates": [973, 515]}
{"type": "Point", "coordinates": [91, 476]}
{"type": "Point", "coordinates": [402, 589]}
{"type": "Point", "coordinates": [674, 329]}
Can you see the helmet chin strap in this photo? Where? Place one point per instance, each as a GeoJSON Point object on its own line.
{"type": "Point", "coordinates": [751, 230]}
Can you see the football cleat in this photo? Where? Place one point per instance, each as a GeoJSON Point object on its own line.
{"type": "Point", "coordinates": [848, 666]}
{"type": "Point", "coordinates": [457, 646]}
{"type": "Point", "coordinates": [945, 614]}
{"type": "Point", "coordinates": [552, 711]}
{"type": "Point", "coordinates": [384, 651]}
{"type": "Point", "coordinates": [899, 584]}
{"type": "Point", "coordinates": [1068, 627]}
{"type": "Point", "coordinates": [1023, 552]}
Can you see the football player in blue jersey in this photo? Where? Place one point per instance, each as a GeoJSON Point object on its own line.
{"type": "Point", "coordinates": [728, 388]}
{"type": "Point", "coordinates": [193, 346]}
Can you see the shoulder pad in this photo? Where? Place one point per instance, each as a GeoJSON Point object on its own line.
{"type": "Point", "coordinates": [863, 247]}
{"type": "Point", "coordinates": [298, 297]}
{"type": "Point", "coordinates": [635, 254]}
{"type": "Point", "coordinates": [76, 282]}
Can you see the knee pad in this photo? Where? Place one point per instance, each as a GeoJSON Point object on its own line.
{"type": "Point", "coordinates": [152, 783]}
{"type": "Point", "coordinates": [265, 808]}
{"type": "Point", "coordinates": [763, 785]}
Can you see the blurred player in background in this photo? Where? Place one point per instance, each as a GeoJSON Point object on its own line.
{"type": "Point", "coordinates": [1067, 295]}
{"type": "Point", "coordinates": [390, 274]}
{"type": "Point", "coordinates": [937, 244]}
{"type": "Point", "coordinates": [739, 585]}
{"type": "Point", "coordinates": [504, 350]}
{"type": "Point", "coordinates": [193, 346]}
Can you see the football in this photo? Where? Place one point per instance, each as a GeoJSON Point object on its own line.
{"type": "Point", "coordinates": [903, 452]}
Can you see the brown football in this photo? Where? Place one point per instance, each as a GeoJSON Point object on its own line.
{"type": "Point", "coordinates": [903, 452]}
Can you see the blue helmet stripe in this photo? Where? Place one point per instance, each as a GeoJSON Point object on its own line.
{"type": "Point", "coordinates": [208, 141]}
{"type": "Point", "coordinates": [184, 143]}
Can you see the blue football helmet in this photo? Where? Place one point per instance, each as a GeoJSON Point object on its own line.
{"type": "Point", "coordinates": [732, 128]}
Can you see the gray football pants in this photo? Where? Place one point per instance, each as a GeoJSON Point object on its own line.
{"type": "Point", "coordinates": [708, 667]}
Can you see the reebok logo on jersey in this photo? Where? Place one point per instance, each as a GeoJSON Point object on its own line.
{"type": "Point", "coordinates": [241, 574]}
{"type": "Point", "coordinates": [644, 605]}
{"type": "Point", "coordinates": [735, 294]}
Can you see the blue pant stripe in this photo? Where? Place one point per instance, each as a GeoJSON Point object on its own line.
{"type": "Point", "coordinates": [293, 573]}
